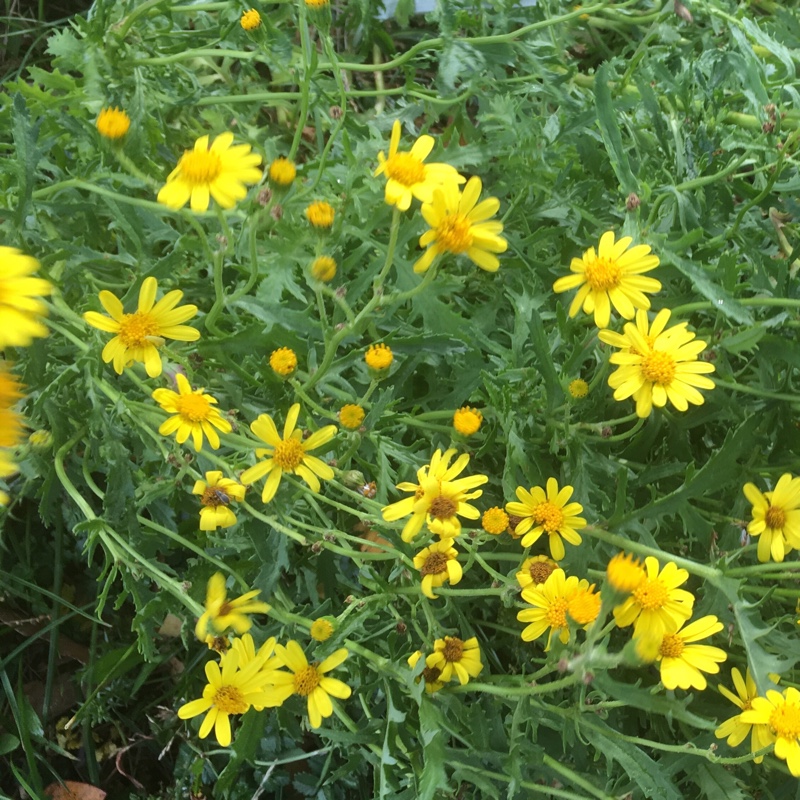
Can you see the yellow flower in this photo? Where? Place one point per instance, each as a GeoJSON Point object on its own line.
{"type": "Point", "coordinates": [216, 494]}
{"type": "Point", "coordinates": [458, 225]}
{"type": "Point", "coordinates": [11, 425]}
{"type": "Point", "coordinates": [578, 388]}
{"type": "Point", "coordinates": [407, 174]}
{"type": "Point", "coordinates": [683, 663]}
{"type": "Point", "coordinates": [139, 335]}
{"type": "Point", "coordinates": [309, 680]}
{"type": "Point", "coordinates": [221, 613]}
{"type": "Point", "coordinates": [194, 412]}
{"type": "Point", "coordinates": [455, 659]}
{"type": "Point", "coordinates": [657, 605]}
{"type": "Point", "coordinates": [612, 275]}
{"type": "Point", "coordinates": [776, 517]}
{"type": "Point", "coordinates": [494, 521]}
{"type": "Point", "coordinates": [283, 361]}
{"type": "Point", "coordinates": [317, 3]}
{"type": "Point", "coordinates": [250, 21]}
{"type": "Point", "coordinates": [321, 629]}
{"type": "Point", "coordinates": [467, 420]}
{"type": "Point", "coordinates": [548, 512]}
{"type": "Point", "coordinates": [282, 172]}
{"type": "Point", "coordinates": [320, 214]}
{"type": "Point", "coordinates": [430, 675]}
{"type": "Point", "coordinates": [41, 439]}
{"type": "Point", "coordinates": [379, 356]}
{"type": "Point", "coordinates": [245, 647]}
{"type": "Point", "coordinates": [438, 498]}
{"type": "Point", "coordinates": [351, 416]}
{"type": "Point", "coordinates": [535, 570]}
{"type": "Point", "coordinates": [220, 171]}
{"type": "Point", "coordinates": [438, 564]}
{"type": "Point", "coordinates": [781, 714]}
{"type": "Point", "coordinates": [657, 365]}
{"type": "Point", "coordinates": [323, 268]}
{"type": "Point", "coordinates": [20, 306]}
{"type": "Point", "coordinates": [288, 454]}
{"type": "Point", "coordinates": [625, 573]}
{"type": "Point", "coordinates": [734, 729]}
{"type": "Point", "coordinates": [113, 123]}
{"type": "Point", "coordinates": [584, 605]}
{"type": "Point", "coordinates": [7, 469]}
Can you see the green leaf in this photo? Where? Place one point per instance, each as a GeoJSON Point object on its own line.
{"type": "Point", "coordinates": [715, 781]}
{"type": "Point", "coordinates": [245, 746]}
{"type": "Point", "coordinates": [26, 136]}
{"type": "Point", "coordinates": [433, 775]}
{"type": "Point", "coordinates": [609, 128]}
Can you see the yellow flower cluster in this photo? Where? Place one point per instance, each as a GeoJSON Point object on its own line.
{"type": "Point", "coordinates": [452, 659]}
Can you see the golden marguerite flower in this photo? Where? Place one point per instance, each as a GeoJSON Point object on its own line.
{"type": "Point", "coordinates": [657, 365]}
{"type": "Point", "coordinates": [282, 172]}
{"type": "Point", "coordinates": [611, 275]}
{"type": "Point", "coordinates": [734, 729]}
{"type": "Point", "coordinates": [321, 629]}
{"type": "Point", "coordinates": [20, 305]}
{"type": "Point", "coordinates": [430, 675]}
{"type": "Point", "coordinates": [407, 174]}
{"type": "Point", "coordinates": [283, 361]}
{"type": "Point", "coordinates": [578, 388]}
{"type": "Point", "coordinates": [222, 614]}
{"type": "Point", "coordinates": [351, 416]}
{"type": "Point", "coordinates": [216, 494]}
{"type": "Point", "coordinates": [438, 564]}
{"type": "Point", "coordinates": [289, 453]}
{"type": "Point", "coordinates": [320, 214]}
{"type": "Point", "coordinates": [250, 21]}
{"type": "Point", "coordinates": [683, 663]}
{"type": "Point", "coordinates": [625, 573]}
{"type": "Point", "coordinates": [323, 268]}
{"type": "Point", "coordinates": [379, 356]}
{"type": "Point", "coordinates": [194, 414]}
{"type": "Point", "coordinates": [458, 224]}
{"type": "Point", "coordinates": [113, 123]}
{"type": "Point", "coordinates": [776, 517]}
{"type": "Point", "coordinates": [221, 171]}
{"type": "Point", "coordinates": [494, 521]}
{"type": "Point", "coordinates": [467, 421]}
{"type": "Point", "coordinates": [140, 334]}
{"type": "Point", "coordinates": [535, 570]}
{"type": "Point", "coordinates": [548, 512]}
{"type": "Point", "coordinates": [246, 648]}
{"type": "Point", "coordinates": [780, 714]}
{"type": "Point", "coordinates": [456, 659]}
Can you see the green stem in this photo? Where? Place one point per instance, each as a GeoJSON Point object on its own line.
{"type": "Point", "coordinates": [305, 87]}
{"type": "Point", "coordinates": [738, 387]}
{"type": "Point", "coordinates": [377, 284]}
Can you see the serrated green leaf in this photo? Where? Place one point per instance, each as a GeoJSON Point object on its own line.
{"type": "Point", "coordinates": [610, 130]}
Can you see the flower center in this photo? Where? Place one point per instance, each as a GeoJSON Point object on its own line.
{"type": "Point", "coordinates": [405, 169]}
{"type": "Point", "coordinates": [658, 367]}
{"type": "Point", "coordinates": [193, 407]}
{"type": "Point", "coordinates": [540, 571]}
{"type": "Point", "coordinates": [785, 721]}
{"type": "Point", "coordinates": [214, 497]}
{"type": "Point", "coordinates": [306, 680]}
{"type": "Point", "coordinates": [200, 168]}
{"type": "Point", "coordinates": [603, 274]}
{"type": "Point", "coordinates": [557, 613]}
{"type": "Point", "coordinates": [431, 674]}
{"type": "Point", "coordinates": [453, 648]}
{"type": "Point", "coordinates": [747, 704]}
{"type": "Point", "coordinates": [671, 646]}
{"type": "Point", "coordinates": [435, 564]}
{"type": "Point", "coordinates": [651, 595]}
{"type": "Point", "coordinates": [549, 516]}
{"type": "Point", "coordinates": [230, 700]}
{"type": "Point", "coordinates": [454, 233]}
{"type": "Point", "coordinates": [584, 607]}
{"type": "Point", "coordinates": [442, 508]}
{"type": "Point", "coordinates": [289, 454]}
{"type": "Point", "coordinates": [136, 330]}
{"type": "Point", "coordinates": [775, 518]}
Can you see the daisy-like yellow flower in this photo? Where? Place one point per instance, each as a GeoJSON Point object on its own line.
{"type": "Point", "coordinates": [283, 361]}
{"type": "Point", "coordinates": [221, 171]}
{"type": "Point", "coordinates": [458, 224]}
{"type": "Point", "coordinates": [438, 564]}
{"type": "Point", "coordinates": [113, 123]}
{"type": "Point", "coordinates": [323, 268]}
{"type": "Point", "coordinates": [221, 613]}
{"type": "Point", "coordinates": [611, 275]}
{"type": "Point", "coordinates": [776, 517]}
{"type": "Point", "coordinates": [20, 303]}
{"type": "Point", "coordinates": [657, 365]}
{"type": "Point", "coordinates": [309, 680]}
{"type": "Point", "coordinates": [320, 214]}
{"type": "Point", "coordinates": [455, 659]}
{"type": "Point", "coordinates": [288, 454]}
{"type": "Point", "coordinates": [625, 573]}
{"type": "Point", "coordinates": [216, 494]}
{"type": "Point", "coordinates": [194, 414]}
{"type": "Point", "coordinates": [321, 629]}
{"type": "Point", "coordinates": [439, 498]}
{"type": "Point", "coordinates": [683, 663]}
{"type": "Point", "coordinates": [351, 416]}
{"type": "Point", "coordinates": [535, 571]}
{"type": "Point", "coordinates": [494, 521]}
{"type": "Point", "coordinates": [657, 605]}
{"type": "Point", "coordinates": [250, 21]}
{"type": "Point", "coordinates": [11, 425]}
{"type": "Point", "coordinates": [140, 334]}
{"type": "Point", "coordinates": [780, 713]}
{"type": "Point", "coordinates": [282, 172]}
{"type": "Point", "coordinates": [430, 675]}
{"type": "Point", "coordinates": [379, 356]}
{"type": "Point", "coordinates": [467, 421]}
{"type": "Point", "coordinates": [578, 388]}
{"type": "Point", "coordinates": [548, 512]}
{"type": "Point", "coordinates": [734, 729]}
{"type": "Point", "coordinates": [408, 176]}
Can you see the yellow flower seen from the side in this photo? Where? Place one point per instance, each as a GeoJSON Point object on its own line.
{"type": "Point", "coordinates": [283, 361]}
{"type": "Point", "coordinates": [113, 123]}
{"type": "Point", "coordinates": [320, 214]}
{"type": "Point", "coordinates": [657, 605]}
{"type": "Point", "coordinates": [467, 421]}
{"type": "Point", "coordinates": [776, 517]}
{"type": "Point", "coordinates": [11, 425]}
{"type": "Point", "coordinates": [21, 307]}
{"type": "Point", "coordinates": [250, 20]}
{"type": "Point", "coordinates": [282, 172]}
{"type": "Point", "coordinates": [351, 416]}
{"type": "Point", "coordinates": [458, 225]}
{"type": "Point", "coordinates": [578, 388]}
{"type": "Point", "coordinates": [494, 521]}
{"type": "Point", "coordinates": [194, 414]}
{"type": "Point", "coordinates": [657, 365]}
{"type": "Point", "coordinates": [780, 713]}
{"type": "Point", "coordinates": [584, 605]}
{"type": "Point", "coordinates": [430, 675]}
{"type": "Point", "coordinates": [309, 680]}
{"type": "Point", "coordinates": [456, 659]}
{"type": "Point", "coordinates": [625, 573]}
{"type": "Point", "coordinates": [439, 498]}
{"type": "Point", "coordinates": [407, 174]}
{"type": "Point", "coordinates": [220, 171]}
{"type": "Point", "coordinates": [535, 571]}
{"type": "Point", "coordinates": [379, 356]}
{"type": "Point", "coordinates": [216, 494]}
{"type": "Point", "coordinates": [683, 663]}
{"type": "Point", "coordinates": [734, 729]}
{"type": "Point", "coordinates": [317, 3]}
{"type": "Point", "coordinates": [41, 439]}
{"type": "Point", "coordinates": [7, 469]}
{"type": "Point", "coordinates": [548, 511]}
{"type": "Point", "coordinates": [438, 564]}
{"type": "Point", "coordinates": [269, 663]}
{"type": "Point", "coordinates": [289, 453]}
{"type": "Point", "coordinates": [321, 629]}
{"type": "Point", "coordinates": [610, 276]}
{"type": "Point", "coordinates": [140, 334]}
{"type": "Point", "coordinates": [222, 614]}
{"type": "Point", "coordinates": [323, 268]}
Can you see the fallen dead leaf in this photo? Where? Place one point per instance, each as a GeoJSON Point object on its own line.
{"type": "Point", "coordinates": [72, 790]}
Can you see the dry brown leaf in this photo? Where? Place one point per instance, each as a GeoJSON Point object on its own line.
{"type": "Point", "coordinates": [72, 790]}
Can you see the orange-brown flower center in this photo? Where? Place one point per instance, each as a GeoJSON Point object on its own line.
{"type": "Point", "coordinates": [671, 646]}
{"type": "Point", "coordinates": [603, 274]}
{"type": "Point", "coordinates": [199, 168]}
{"type": "Point", "coordinates": [658, 367]}
{"type": "Point", "coordinates": [431, 674]}
{"type": "Point", "coordinates": [785, 721]}
{"type": "Point", "coordinates": [138, 329]}
{"type": "Point", "coordinates": [443, 508]}
{"type": "Point", "coordinates": [289, 454]}
{"type": "Point", "coordinates": [556, 615]}
{"type": "Point", "coordinates": [454, 233]}
{"type": "Point", "coordinates": [435, 564]}
{"type": "Point", "coordinates": [193, 407]}
{"type": "Point", "coordinates": [405, 169]}
{"type": "Point", "coordinates": [230, 700]}
{"type": "Point", "coordinates": [651, 595]}
{"type": "Point", "coordinates": [306, 680]}
{"type": "Point", "coordinates": [453, 648]}
{"type": "Point", "coordinates": [213, 496]}
{"type": "Point", "coordinates": [549, 516]}
{"type": "Point", "coordinates": [775, 518]}
{"type": "Point", "coordinates": [540, 571]}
